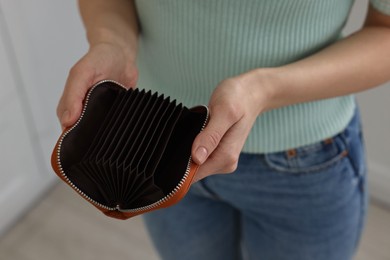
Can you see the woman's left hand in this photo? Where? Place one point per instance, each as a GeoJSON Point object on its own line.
{"type": "Point", "coordinates": [234, 106]}
{"type": "Point", "coordinates": [338, 70]}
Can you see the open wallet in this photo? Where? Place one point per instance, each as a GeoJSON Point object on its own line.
{"type": "Point", "coordinates": [130, 150]}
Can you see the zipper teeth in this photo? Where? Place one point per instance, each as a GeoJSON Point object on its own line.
{"type": "Point", "coordinates": [148, 207]}
{"type": "Point", "coordinates": [206, 119]}
{"type": "Point", "coordinates": [67, 132]}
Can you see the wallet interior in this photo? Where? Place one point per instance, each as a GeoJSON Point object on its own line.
{"type": "Point", "coordinates": [130, 148]}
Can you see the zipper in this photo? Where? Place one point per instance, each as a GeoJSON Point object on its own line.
{"type": "Point", "coordinates": [117, 208]}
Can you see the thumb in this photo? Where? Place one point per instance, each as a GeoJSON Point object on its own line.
{"type": "Point", "coordinates": [207, 141]}
{"type": "Point", "coordinates": [70, 112]}
{"type": "Point", "coordinates": [70, 105]}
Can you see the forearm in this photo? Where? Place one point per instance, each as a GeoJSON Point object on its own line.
{"type": "Point", "coordinates": [113, 21]}
{"type": "Point", "coordinates": [359, 62]}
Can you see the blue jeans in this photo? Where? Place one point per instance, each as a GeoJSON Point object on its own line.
{"type": "Point", "coordinates": [303, 204]}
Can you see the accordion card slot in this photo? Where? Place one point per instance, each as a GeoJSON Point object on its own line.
{"type": "Point", "coordinates": [79, 143]}
{"type": "Point", "coordinates": [161, 144]}
{"type": "Point", "coordinates": [145, 133]}
{"type": "Point", "coordinates": [114, 133]}
{"type": "Point", "coordinates": [144, 192]}
{"type": "Point", "coordinates": [166, 133]}
{"type": "Point", "coordinates": [163, 129]}
{"type": "Point", "coordinates": [138, 132]}
{"type": "Point", "coordinates": [114, 121]}
{"type": "Point", "coordinates": [130, 150]}
{"type": "Point", "coordinates": [127, 122]}
{"type": "Point", "coordinates": [152, 136]}
{"type": "Point", "coordinates": [130, 126]}
{"type": "Point", "coordinates": [113, 177]}
{"type": "Point", "coordinates": [178, 150]}
{"type": "Point", "coordinates": [153, 152]}
{"type": "Point", "coordinates": [105, 128]}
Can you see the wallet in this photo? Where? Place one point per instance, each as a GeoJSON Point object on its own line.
{"type": "Point", "coordinates": [130, 150]}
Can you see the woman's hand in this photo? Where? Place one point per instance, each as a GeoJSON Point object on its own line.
{"type": "Point", "coordinates": [234, 107]}
{"type": "Point", "coordinates": [112, 33]}
{"type": "Point", "coordinates": [103, 61]}
{"type": "Point", "coordinates": [337, 70]}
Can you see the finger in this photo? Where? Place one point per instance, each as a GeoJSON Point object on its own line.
{"type": "Point", "coordinates": [207, 141]}
{"type": "Point", "coordinates": [70, 105]}
{"type": "Point", "coordinates": [224, 158]}
{"type": "Point", "coordinates": [209, 167]}
{"type": "Point", "coordinates": [221, 120]}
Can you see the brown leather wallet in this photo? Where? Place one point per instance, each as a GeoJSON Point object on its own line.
{"type": "Point", "coordinates": [130, 150]}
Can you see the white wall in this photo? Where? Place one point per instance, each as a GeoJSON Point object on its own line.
{"type": "Point", "coordinates": [39, 41]}
{"type": "Point", "coordinates": [47, 37]}
{"type": "Point", "coordinates": [375, 109]}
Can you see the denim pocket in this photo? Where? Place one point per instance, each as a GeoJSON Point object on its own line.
{"type": "Point", "coordinates": [310, 158]}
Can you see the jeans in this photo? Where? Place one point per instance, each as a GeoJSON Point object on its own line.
{"type": "Point", "coordinates": [307, 203]}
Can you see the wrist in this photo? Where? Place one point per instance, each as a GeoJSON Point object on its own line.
{"type": "Point", "coordinates": [106, 36]}
{"type": "Point", "coordinates": [264, 85]}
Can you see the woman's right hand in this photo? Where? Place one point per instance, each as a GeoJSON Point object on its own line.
{"type": "Point", "coordinates": [102, 61]}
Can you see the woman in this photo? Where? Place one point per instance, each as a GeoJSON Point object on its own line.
{"type": "Point", "coordinates": [278, 78]}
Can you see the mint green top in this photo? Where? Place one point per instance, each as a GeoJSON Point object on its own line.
{"type": "Point", "coordinates": [188, 46]}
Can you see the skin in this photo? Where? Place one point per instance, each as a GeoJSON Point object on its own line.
{"type": "Point", "coordinates": [356, 63]}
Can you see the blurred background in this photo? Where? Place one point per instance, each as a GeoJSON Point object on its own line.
{"type": "Point", "coordinates": [41, 218]}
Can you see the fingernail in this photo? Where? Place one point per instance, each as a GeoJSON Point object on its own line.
{"type": "Point", "coordinates": [201, 154]}
{"type": "Point", "coordinates": [65, 116]}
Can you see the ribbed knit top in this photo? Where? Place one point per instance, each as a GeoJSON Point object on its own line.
{"type": "Point", "coordinates": [188, 46]}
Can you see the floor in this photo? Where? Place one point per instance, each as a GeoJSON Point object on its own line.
{"type": "Point", "coordinates": [62, 227]}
